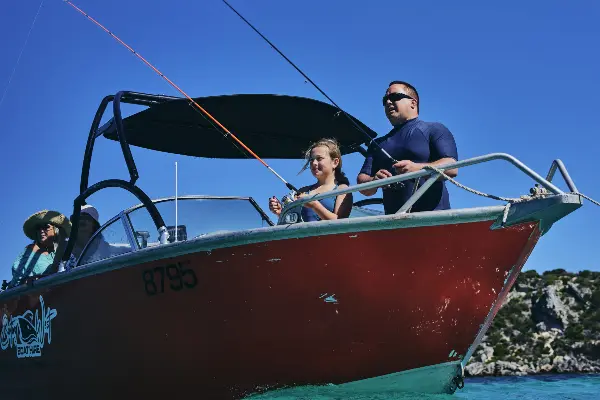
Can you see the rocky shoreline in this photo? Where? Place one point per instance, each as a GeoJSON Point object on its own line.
{"type": "Point", "coordinates": [549, 323]}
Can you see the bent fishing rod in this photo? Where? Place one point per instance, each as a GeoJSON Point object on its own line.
{"type": "Point", "coordinates": [358, 127]}
{"type": "Point", "coordinates": [205, 113]}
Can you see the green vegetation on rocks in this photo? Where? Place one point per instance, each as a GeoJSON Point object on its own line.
{"type": "Point", "coordinates": [548, 323]}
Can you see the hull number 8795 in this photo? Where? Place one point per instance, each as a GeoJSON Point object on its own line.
{"type": "Point", "coordinates": [174, 276]}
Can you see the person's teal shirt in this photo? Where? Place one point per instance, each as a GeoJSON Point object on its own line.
{"type": "Point", "coordinates": [30, 263]}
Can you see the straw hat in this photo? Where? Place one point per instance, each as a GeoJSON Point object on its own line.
{"type": "Point", "coordinates": [46, 217]}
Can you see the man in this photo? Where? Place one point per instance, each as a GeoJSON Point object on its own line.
{"type": "Point", "coordinates": [415, 144]}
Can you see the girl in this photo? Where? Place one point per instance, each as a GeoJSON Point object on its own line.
{"type": "Point", "coordinates": [325, 161]}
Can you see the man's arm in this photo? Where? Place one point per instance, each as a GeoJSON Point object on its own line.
{"type": "Point", "coordinates": [452, 173]}
{"type": "Point", "coordinates": [364, 178]}
{"type": "Point", "coordinates": [406, 166]}
{"type": "Point", "coordinates": [364, 175]}
{"type": "Point", "coordinates": [443, 148]}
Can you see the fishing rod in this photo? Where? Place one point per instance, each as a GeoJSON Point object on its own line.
{"type": "Point", "coordinates": [360, 129]}
{"type": "Point", "coordinates": [205, 113]}
{"type": "Point", "coordinates": [12, 74]}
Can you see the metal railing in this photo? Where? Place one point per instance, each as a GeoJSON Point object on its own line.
{"type": "Point", "coordinates": [563, 170]}
{"type": "Point", "coordinates": [433, 176]}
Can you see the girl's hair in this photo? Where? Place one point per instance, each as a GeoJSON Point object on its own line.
{"type": "Point", "coordinates": [334, 152]}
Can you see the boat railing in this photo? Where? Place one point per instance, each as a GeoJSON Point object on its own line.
{"type": "Point", "coordinates": [290, 215]}
{"type": "Point", "coordinates": [558, 164]}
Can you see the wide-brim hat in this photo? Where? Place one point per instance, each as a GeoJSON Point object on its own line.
{"type": "Point", "coordinates": [46, 217]}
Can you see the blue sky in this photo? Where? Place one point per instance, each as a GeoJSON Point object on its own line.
{"type": "Point", "coordinates": [515, 77]}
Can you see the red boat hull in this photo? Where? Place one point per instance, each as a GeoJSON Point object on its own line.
{"type": "Point", "coordinates": [314, 310]}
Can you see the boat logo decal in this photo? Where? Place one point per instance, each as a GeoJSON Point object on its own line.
{"type": "Point", "coordinates": [329, 298]}
{"type": "Point", "coordinates": [455, 356]}
{"type": "Point", "coordinates": [27, 332]}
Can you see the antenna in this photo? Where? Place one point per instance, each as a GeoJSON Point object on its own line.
{"type": "Point", "coordinates": [176, 201]}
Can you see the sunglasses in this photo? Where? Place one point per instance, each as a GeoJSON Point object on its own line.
{"type": "Point", "coordinates": [395, 97]}
{"type": "Point", "coordinates": [44, 227]}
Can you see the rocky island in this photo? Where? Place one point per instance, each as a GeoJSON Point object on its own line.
{"type": "Point", "coordinates": [549, 323]}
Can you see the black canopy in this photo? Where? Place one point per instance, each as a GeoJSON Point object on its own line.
{"type": "Point", "coordinates": [273, 126]}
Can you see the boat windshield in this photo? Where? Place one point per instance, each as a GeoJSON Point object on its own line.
{"type": "Point", "coordinates": [197, 216]}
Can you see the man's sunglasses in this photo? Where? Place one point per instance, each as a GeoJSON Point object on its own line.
{"type": "Point", "coordinates": [395, 97]}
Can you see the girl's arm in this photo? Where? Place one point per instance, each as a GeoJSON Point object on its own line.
{"type": "Point", "coordinates": [342, 208]}
{"type": "Point", "coordinates": [343, 204]}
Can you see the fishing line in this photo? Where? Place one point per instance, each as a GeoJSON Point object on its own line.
{"type": "Point", "coordinates": [21, 53]}
{"type": "Point", "coordinates": [242, 152]}
{"type": "Point", "coordinates": [358, 127]}
{"type": "Point", "coordinates": [226, 132]}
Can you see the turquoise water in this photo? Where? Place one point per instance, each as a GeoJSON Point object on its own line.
{"type": "Point", "coordinates": [572, 387]}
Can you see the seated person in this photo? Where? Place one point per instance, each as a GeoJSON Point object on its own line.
{"type": "Point", "coordinates": [325, 160]}
{"type": "Point", "coordinates": [99, 248]}
{"type": "Point", "coordinates": [49, 231]}
{"type": "Point", "coordinates": [88, 225]}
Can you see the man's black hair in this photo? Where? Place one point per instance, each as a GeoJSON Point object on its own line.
{"type": "Point", "coordinates": [410, 90]}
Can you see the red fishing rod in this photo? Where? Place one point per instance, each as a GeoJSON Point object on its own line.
{"type": "Point", "coordinates": [194, 103]}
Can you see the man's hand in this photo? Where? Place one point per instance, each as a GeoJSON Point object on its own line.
{"type": "Point", "coordinates": [364, 178]}
{"type": "Point", "coordinates": [406, 166]}
{"type": "Point", "coordinates": [382, 174]}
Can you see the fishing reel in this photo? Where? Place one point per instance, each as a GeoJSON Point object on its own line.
{"type": "Point", "coordinates": [294, 215]}
{"type": "Point", "coordinates": [288, 198]}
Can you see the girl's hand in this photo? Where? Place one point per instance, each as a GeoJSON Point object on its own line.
{"type": "Point", "coordinates": [310, 204]}
{"type": "Point", "coordinates": [275, 205]}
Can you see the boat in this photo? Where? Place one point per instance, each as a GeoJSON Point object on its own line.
{"type": "Point", "coordinates": [207, 295]}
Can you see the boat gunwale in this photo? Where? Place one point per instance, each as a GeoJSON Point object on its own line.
{"type": "Point", "coordinates": [214, 241]}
